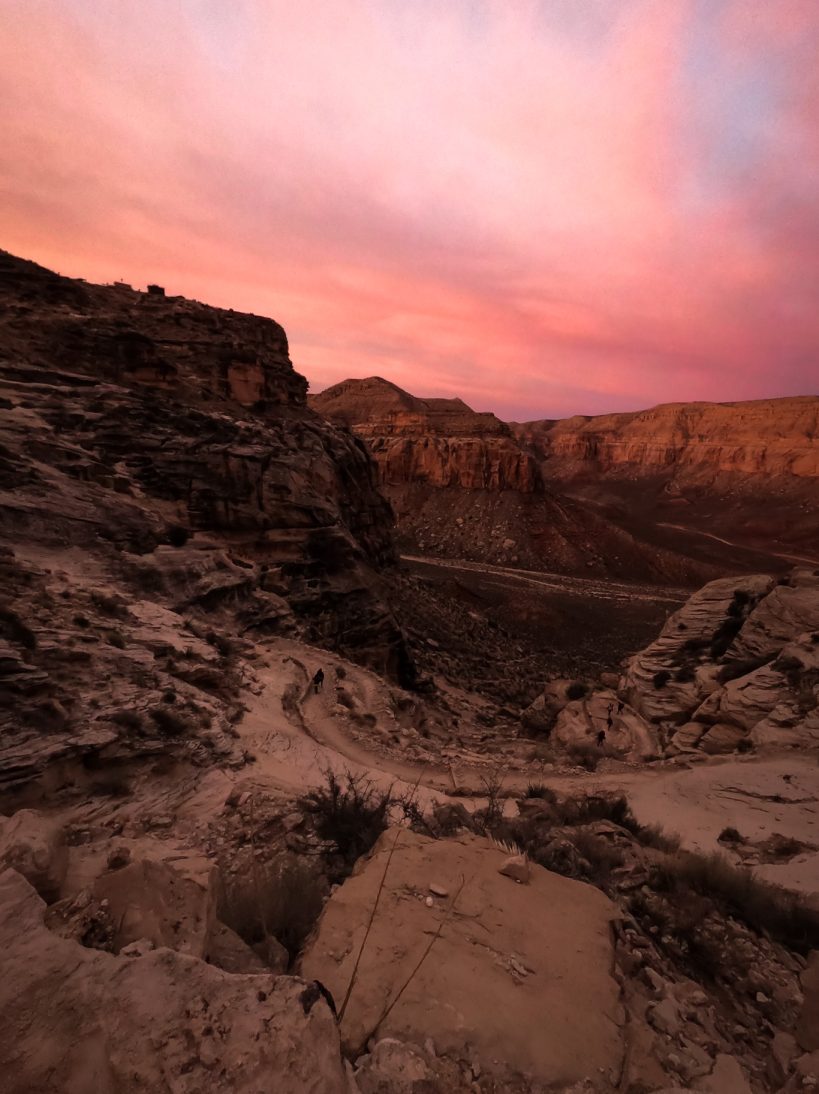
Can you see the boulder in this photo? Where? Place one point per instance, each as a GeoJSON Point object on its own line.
{"type": "Point", "coordinates": [721, 738]}
{"type": "Point", "coordinates": [151, 900]}
{"type": "Point", "coordinates": [77, 1020]}
{"type": "Point", "coordinates": [35, 846]}
{"type": "Point", "coordinates": [395, 1067]}
{"type": "Point", "coordinates": [487, 950]}
{"type": "Point", "coordinates": [228, 951]}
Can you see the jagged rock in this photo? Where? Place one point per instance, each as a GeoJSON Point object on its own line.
{"type": "Point", "coordinates": [227, 951]}
{"type": "Point", "coordinates": [624, 732]}
{"type": "Point", "coordinates": [807, 1029]}
{"type": "Point", "coordinates": [152, 900]}
{"type": "Point", "coordinates": [726, 1078]}
{"type": "Point", "coordinates": [35, 846]}
{"type": "Point", "coordinates": [77, 1019]}
{"type": "Point", "coordinates": [393, 1066]}
{"type": "Point", "coordinates": [567, 960]}
{"type": "Point", "coordinates": [517, 868]}
{"type": "Point", "coordinates": [738, 663]}
{"type": "Point", "coordinates": [461, 483]}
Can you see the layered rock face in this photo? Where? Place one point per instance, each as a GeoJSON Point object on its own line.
{"type": "Point", "coordinates": [462, 485]}
{"type": "Point", "coordinates": [162, 484]}
{"type": "Point", "coordinates": [735, 669]}
{"type": "Point", "coordinates": [735, 474]}
{"type": "Point", "coordinates": [439, 442]}
{"type": "Point", "coordinates": [763, 437]}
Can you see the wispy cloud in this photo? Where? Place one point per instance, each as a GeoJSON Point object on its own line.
{"type": "Point", "coordinates": [546, 207]}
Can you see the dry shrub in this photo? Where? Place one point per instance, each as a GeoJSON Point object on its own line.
{"type": "Point", "coordinates": [281, 899]}
{"type": "Point", "coordinates": [761, 905]}
{"type": "Point", "coordinates": [170, 723]}
{"type": "Point", "coordinates": [349, 811]}
{"type": "Point", "coordinates": [586, 754]}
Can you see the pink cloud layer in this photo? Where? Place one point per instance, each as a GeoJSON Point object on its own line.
{"type": "Point", "coordinates": [546, 208]}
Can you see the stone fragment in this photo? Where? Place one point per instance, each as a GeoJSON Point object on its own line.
{"type": "Point", "coordinates": [517, 868]}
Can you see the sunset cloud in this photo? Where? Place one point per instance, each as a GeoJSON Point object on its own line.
{"type": "Point", "coordinates": [555, 207]}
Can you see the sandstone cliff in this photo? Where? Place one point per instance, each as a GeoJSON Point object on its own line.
{"type": "Point", "coordinates": [462, 485]}
{"type": "Point", "coordinates": [774, 437]}
{"type": "Point", "coordinates": [163, 486]}
{"type": "Point", "coordinates": [706, 478]}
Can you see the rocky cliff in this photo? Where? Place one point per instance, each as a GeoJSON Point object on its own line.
{"type": "Point", "coordinates": [697, 476]}
{"type": "Point", "coordinates": [463, 485]}
{"type": "Point", "coordinates": [774, 437]}
{"type": "Point", "coordinates": [164, 490]}
{"type": "Point", "coordinates": [439, 442]}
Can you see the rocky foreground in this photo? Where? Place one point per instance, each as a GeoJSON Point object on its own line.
{"type": "Point", "coordinates": [217, 875]}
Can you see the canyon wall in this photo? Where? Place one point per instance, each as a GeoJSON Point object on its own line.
{"type": "Point", "coordinates": [772, 437]}
{"type": "Point", "coordinates": [463, 485]}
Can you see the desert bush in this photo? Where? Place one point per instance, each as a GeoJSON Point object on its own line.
{"type": "Point", "coordinates": [734, 669]}
{"type": "Point", "coordinates": [661, 678]}
{"type": "Point", "coordinates": [539, 790]}
{"type": "Point", "coordinates": [576, 690]}
{"type": "Point", "coordinates": [730, 835]}
{"type": "Point", "coordinates": [13, 627]}
{"type": "Point", "coordinates": [128, 719]}
{"type": "Point", "coordinates": [654, 835]}
{"type": "Point", "coordinates": [491, 815]}
{"type": "Point", "coordinates": [759, 904]}
{"type": "Point", "coordinates": [170, 723]}
{"type": "Point", "coordinates": [116, 638]}
{"type": "Point", "coordinates": [685, 674]}
{"type": "Point", "coordinates": [350, 811]}
{"type": "Point", "coordinates": [281, 899]}
{"type": "Point", "coordinates": [585, 754]}
{"type": "Point", "coordinates": [109, 605]}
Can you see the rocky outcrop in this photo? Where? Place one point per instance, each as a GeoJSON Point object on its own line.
{"type": "Point", "coordinates": [439, 442]}
{"type": "Point", "coordinates": [77, 1019]}
{"type": "Point", "coordinates": [737, 666]}
{"type": "Point", "coordinates": [484, 949]}
{"type": "Point", "coordinates": [158, 452]}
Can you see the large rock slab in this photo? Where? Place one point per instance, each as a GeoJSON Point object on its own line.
{"type": "Point", "coordinates": [78, 1020]}
{"type": "Point", "coordinates": [522, 973]}
{"type": "Point", "coordinates": [35, 846]}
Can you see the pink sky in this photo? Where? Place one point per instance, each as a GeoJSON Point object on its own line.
{"type": "Point", "coordinates": [547, 208]}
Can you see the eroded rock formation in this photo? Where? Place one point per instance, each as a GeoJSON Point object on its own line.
{"type": "Point", "coordinates": [164, 489]}
{"type": "Point", "coordinates": [463, 485]}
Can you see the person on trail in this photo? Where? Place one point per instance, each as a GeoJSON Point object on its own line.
{"type": "Point", "coordinates": [318, 680]}
{"type": "Point", "coordinates": [601, 736]}
{"type": "Point", "coordinates": [609, 719]}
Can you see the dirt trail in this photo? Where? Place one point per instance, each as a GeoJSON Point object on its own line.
{"type": "Point", "coordinates": [586, 587]}
{"type": "Point", "coordinates": [741, 546]}
{"type": "Point", "coordinates": [758, 796]}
